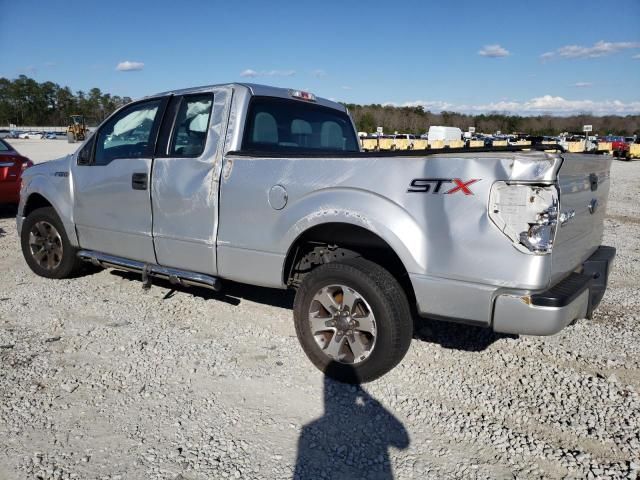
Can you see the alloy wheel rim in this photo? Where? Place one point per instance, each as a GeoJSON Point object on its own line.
{"type": "Point", "coordinates": [45, 245]}
{"type": "Point", "coordinates": [343, 324]}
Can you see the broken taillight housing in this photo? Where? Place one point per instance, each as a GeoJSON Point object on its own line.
{"type": "Point", "coordinates": [526, 213]}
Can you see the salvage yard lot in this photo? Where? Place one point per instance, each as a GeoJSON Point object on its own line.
{"type": "Point", "coordinates": [99, 379]}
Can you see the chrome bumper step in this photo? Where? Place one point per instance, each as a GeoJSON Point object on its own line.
{"type": "Point", "coordinates": [173, 275]}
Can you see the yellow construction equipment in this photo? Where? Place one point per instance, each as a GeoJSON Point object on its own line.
{"type": "Point", "coordinates": [77, 130]}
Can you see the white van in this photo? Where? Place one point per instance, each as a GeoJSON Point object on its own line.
{"type": "Point", "coordinates": [444, 133]}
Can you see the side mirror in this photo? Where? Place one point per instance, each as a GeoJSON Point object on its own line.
{"type": "Point", "coordinates": [84, 155]}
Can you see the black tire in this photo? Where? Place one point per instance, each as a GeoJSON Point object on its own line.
{"type": "Point", "coordinates": [68, 265]}
{"type": "Point", "coordinates": [388, 303]}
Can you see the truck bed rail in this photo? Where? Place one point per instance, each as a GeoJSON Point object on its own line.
{"type": "Point", "coordinates": [395, 153]}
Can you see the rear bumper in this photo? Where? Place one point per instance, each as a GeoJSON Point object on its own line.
{"type": "Point", "coordinates": [548, 312]}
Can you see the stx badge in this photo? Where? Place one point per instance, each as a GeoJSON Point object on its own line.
{"type": "Point", "coordinates": [434, 185]}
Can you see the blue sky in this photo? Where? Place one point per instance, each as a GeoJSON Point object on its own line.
{"type": "Point", "coordinates": [522, 57]}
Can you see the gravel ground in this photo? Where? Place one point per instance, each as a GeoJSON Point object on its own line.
{"type": "Point", "coordinates": [99, 379]}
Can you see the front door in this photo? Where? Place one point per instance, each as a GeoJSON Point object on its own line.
{"type": "Point", "coordinates": [111, 179]}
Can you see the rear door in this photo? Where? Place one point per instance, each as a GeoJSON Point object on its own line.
{"type": "Point", "coordinates": [111, 178]}
{"type": "Point", "coordinates": [184, 185]}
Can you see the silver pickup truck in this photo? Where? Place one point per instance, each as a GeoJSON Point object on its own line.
{"type": "Point", "coordinates": [268, 186]}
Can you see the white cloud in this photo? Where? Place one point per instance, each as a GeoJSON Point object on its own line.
{"type": "Point", "coordinates": [636, 57]}
{"type": "Point", "coordinates": [547, 104]}
{"type": "Point", "coordinates": [280, 73]}
{"type": "Point", "coordinates": [267, 73]}
{"type": "Point", "coordinates": [493, 51]}
{"type": "Point", "coordinates": [128, 66]}
{"type": "Point", "coordinates": [345, 87]}
{"type": "Point", "coordinates": [582, 84]}
{"type": "Point", "coordinates": [433, 105]}
{"type": "Point", "coordinates": [599, 49]}
{"type": "Point", "coordinates": [319, 73]}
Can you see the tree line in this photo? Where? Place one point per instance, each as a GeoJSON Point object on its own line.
{"type": "Point", "coordinates": [417, 120]}
{"type": "Point", "coordinates": [24, 101]}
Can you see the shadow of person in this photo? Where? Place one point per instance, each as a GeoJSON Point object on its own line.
{"type": "Point", "coordinates": [352, 439]}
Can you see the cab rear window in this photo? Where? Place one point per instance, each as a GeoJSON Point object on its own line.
{"type": "Point", "coordinates": [282, 125]}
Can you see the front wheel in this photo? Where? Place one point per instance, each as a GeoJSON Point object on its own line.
{"type": "Point", "coordinates": [46, 247]}
{"type": "Point", "coordinates": [353, 320]}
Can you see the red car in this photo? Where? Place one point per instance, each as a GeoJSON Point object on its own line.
{"type": "Point", "coordinates": [12, 164]}
{"type": "Point", "coordinates": [619, 146]}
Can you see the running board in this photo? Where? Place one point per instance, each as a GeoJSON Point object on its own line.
{"type": "Point", "coordinates": [173, 275]}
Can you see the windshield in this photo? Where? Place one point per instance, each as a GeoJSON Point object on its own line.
{"type": "Point", "coordinates": [281, 125]}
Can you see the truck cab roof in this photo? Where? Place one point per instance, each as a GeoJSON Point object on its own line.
{"type": "Point", "coordinates": [254, 89]}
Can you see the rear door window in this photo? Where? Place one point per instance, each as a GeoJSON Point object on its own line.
{"type": "Point", "coordinates": [282, 125]}
{"type": "Point", "coordinates": [191, 126]}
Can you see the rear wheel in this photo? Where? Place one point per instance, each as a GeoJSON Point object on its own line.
{"type": "Point", "coordinates": [353, 320]}
{"type": "Point", "coordinates": [46, 247]}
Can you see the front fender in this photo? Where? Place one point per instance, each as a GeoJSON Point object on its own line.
{"type": "Point", "coordinates": [54, 185]}
{"type": "Point", "coordinates": [362, 208]}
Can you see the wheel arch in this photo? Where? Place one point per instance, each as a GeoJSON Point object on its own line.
{"type": "Point", "coordinates": [34, 201]}
{"type": "Point", "coordinates": [42, 192]}
{"type": "Point", "coordinates": [346, 240]}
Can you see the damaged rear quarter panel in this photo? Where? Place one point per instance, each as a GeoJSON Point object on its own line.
{"type": "Point", "coordinates": [436, 235]}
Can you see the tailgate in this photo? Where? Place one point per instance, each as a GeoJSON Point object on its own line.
{"type": "Point", "coordinates": [583, 181]}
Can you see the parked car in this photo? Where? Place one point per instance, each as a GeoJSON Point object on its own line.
{"type": "Point", "coordinates": [406, 141]}
{"type": "Point", "coordinates": [30, 135]}
{"type": "Point", "coordinates": [486, 139]}
{"type": "Point", "coordinates": [4, 133]}
{"type": "Point", "coordinates": [619, 146]}
{"type": "Point", "coordinates": [12, 165]}
{"type": "Point", "coordinates": [268, 186]}
{"type": "Point", "coordinates": [54, 135]}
